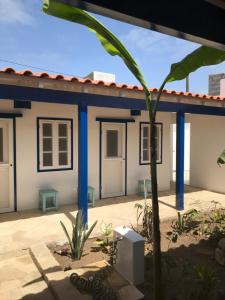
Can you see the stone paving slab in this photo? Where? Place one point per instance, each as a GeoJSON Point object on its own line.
{"type": "Point", "coordinates": [22, 230]}
{"type": "Point", "coordinates": [20, 279]}
{"type": "Point", "coordinates": [114, 279]}
{"type": "Point", "coordinates": [57, 280]}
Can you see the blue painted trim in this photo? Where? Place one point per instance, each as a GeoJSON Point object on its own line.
{"type": "Point", "coordinates": [180, 132]}
{"type": "Point", "coordinates": [39, 170]}
{"type": "Point", "coordinates": [10, 115]}
{"type": "Point", "coordinates": [159, 162]}
{"type": "Point", "coordinates": [66, 97]}
{"type": "Point", "coordinates": [115, 120]}
{"type": "Point", "coordinates": [83, 160]}
{"type": "Point", "coordinates": [100, 160]}
{"type": "Point", "coordinates": [14, 164]}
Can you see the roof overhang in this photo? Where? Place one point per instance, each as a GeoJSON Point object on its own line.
{"type": "Point", "coordinates": [200, 21]}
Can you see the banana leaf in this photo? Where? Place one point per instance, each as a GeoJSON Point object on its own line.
{"type": "Point", "coordinates": [108, 40]}
{"type": "Point", "coordinates": [68, 237]}
{"type": "Point", "coordinates": [221, 159]}
{"type": "Point", "coordinates": [202, 56]}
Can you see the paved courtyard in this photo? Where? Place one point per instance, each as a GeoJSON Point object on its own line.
{"type": "Point", "coordinates": [20, 230]}
{"type": "Point", "coordinates": [19, 277]}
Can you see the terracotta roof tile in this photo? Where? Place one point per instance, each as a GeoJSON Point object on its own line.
{"type": "Point", "coordinates": [10, 70]}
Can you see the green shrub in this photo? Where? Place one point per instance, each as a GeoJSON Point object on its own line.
{"type": "Point", "coordinates": [79, 236]}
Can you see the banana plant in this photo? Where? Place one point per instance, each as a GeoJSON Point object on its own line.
{"type": "Point", "coordinates": [221, 159]}
{"type": "Point", "coordinates": [79, 235]}
{"type": "Point", "coordinates": [203, 56]}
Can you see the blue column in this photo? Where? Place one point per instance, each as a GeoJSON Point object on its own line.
{"type": "Point", "coordinates": [83, 159]}
{"type": "Point", "coordinates": [180, 160]}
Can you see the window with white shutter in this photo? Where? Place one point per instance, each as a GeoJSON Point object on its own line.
{"type": "Point", "coordinates": [55, 144]}
{"type": "Point", "coordinates": [145, 143]}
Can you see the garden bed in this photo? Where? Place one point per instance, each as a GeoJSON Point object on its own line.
{"type": "Point", "coordinates": [182, 263]}
{"type": "Point", "coordinates": [92, 253]}
{"type": "Point", "coordinates": [188, 261]}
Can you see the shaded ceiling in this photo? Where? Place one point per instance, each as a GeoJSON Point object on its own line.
{"type": "Point", "coordinates": [199, 21]}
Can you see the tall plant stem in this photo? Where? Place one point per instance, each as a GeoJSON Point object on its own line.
{"type": "Point", "coordinates": [157, 268]}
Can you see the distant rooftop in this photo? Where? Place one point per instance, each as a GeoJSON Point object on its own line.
{"type": "Point", "coordinates": [72, 79]}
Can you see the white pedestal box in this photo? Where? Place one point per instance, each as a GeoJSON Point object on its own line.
{"type": "Point", "coordinates": [130, 254]}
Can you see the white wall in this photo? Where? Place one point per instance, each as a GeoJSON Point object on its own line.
{"type": "Point", "coordinates": [29, 181]}
{"type": "Point", "coordinates": [134, 170]}
{"type": "Point", "coordinates": [186, 145]}
{"type": "Point", "coordinates": [207, 143]}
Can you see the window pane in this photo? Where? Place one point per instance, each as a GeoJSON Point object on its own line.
{"type": "Point", "coordinates": [1, 144]}
{"type": "Point", "coordinates": [112, 143]}
{"type": "Point", "coordinates": [63, 144]}
{"type": "Point", "coordinates": [146, 155]}
{"type": "Point", "coordinates": [146, 131]}
{"type": "Point", "coordinates": [145, 143]}
{"type": "Point", "coordinates": [63, 130]}
{"type": "Point", "coordinates": [47, 159]}
{"type": "Point", "coordinates": [63, 158]}
{"type": "Point", "coordinates": [47, 129]}
{"type": "Point", "coordinates": [47, 144]}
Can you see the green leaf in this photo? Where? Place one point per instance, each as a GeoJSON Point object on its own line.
{"type": "Point", "coordinates": [68, 237]}
{"type": "Point", "coordinates": [202, 56]}
{"type": "Point", "coordinates": [108, 40]}
{"type": "Point", "coordinates": [221, 159]}
{"type": "Point", "coordinates": [86, 236]}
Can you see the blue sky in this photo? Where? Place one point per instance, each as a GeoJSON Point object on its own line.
{"type": "Point", "coordinates": [31, 37]}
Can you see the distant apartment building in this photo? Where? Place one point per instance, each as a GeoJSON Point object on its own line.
{"type": "Point", "coordinates": [215, 84]}
{"type": "Point", "coordinates": [222, 87]}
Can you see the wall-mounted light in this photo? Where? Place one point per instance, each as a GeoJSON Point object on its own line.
{"type": "Point", "coordinates": [135, 112]}
{"type": "Point", "coordinates": [22, 104]}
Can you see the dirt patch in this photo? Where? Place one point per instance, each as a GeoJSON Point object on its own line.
{"type": "Point", "coordinates": [92, 253]}
{"type": "Point", "coordinates": [181, 261]}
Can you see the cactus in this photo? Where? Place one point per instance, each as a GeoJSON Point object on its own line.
{"type": "Point", "coordinates": [79, 235]}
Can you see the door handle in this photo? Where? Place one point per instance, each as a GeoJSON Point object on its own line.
{"type": "Point", "coordinates": [11, 165]}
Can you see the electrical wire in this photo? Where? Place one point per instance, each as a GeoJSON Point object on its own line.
{"type": "Point", "coordinates": [33, 67]}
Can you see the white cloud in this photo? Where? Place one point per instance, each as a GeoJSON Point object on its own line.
{"type": "Point", "coordinates": [15, 11]}
{"type": "Point", "coordinates": [152, 42]}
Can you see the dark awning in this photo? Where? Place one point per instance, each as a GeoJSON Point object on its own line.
{"type": "Point", "coordinates": [195, 20]}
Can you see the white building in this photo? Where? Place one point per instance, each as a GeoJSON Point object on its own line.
{"type": "Point", "coordinates": [67, 133]}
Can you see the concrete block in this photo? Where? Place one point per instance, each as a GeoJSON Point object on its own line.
{"type": "Point", "coordinates": [130, 254]}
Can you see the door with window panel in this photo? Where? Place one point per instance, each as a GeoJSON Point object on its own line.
{"type": "Point", "coordinates": [55, 143]}
{"type": "Point", "coordinates": [6, 166]}
{"type": "Point", "coordinates": [113, 160]}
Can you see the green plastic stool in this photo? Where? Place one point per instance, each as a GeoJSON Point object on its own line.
{"type": "Point", "coordinates": [91, 196]}
{"type": "Point", "coordinates": [144, 187]}
{"type": "Point", "coordinates": [48, 200]}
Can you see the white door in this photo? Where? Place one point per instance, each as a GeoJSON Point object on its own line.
{"type": "Point", "coordinates": [6, 166]}
{"type": "Point", "coordinates": [113, 160]}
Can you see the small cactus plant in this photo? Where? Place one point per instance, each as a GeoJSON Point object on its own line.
{"type": "Point", "coordinates": [79, 235]}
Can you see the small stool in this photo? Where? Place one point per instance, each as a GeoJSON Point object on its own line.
{"type": "Point", "coordinates": [91, 196]}
{"type": "Point", "coordinates": [144, 187]}
{"type": "Point", "coordinates": [48, 200]}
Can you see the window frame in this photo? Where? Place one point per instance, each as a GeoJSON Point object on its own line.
{"type": "Point", "coordinates": [40, 167]}
{"type": "Point", "coordinates": [141, 162]}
